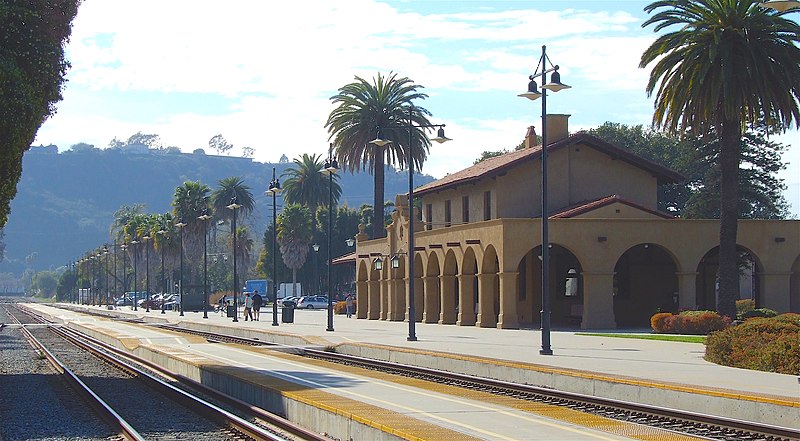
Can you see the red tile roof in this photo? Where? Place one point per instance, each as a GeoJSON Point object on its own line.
{"type": "Point", "coordinates": [587, 206]}
{"type": "Point", "coordinates": [499, 164]}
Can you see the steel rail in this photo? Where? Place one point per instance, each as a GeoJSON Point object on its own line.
{"type": "Point", "coordinates": [242, 406]}
{"type": "Point", "coordinates": [102, 408]}
{"type": "Point", "coordinates": [562, 397]}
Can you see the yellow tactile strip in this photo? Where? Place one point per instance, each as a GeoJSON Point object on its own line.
{"type": "Point", "coordinates": [388, 421]}
{"type": "Point", "coordinates": [710, 391]}
{"type": "Point", "coordinates": [583, 419]}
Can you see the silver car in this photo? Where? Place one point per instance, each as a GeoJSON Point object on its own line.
{"type": "Point", "coordinates": [312, 302]}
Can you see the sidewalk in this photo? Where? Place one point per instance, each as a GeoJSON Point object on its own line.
{"type": "Point", "coordinates": [646, 360]}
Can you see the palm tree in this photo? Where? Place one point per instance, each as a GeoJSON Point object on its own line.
{"type": "Point", "coordinates": [306, 185]}
{"type": "Point", "coordinates": [294, 237]}
{"type": "Point", "coordinates": [121, 219]}
{"type": "Point", "coordinates": [189, 202]}
{"type": "Point", "coordinates": [729, 63]}
{"type": "Point", "coordinates": [363, 110]}
{"type": "Point", "coordinates": [244, 249]}
{"type": "Point", "coordinates": [228, 189]}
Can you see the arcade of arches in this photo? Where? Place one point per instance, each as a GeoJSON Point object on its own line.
{"type": "Point", "coordinates": [603, 273]}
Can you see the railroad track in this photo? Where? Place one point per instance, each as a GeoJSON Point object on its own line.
{"type": "Point", "coordinates": [694, 424]}
{"type": "Point", "coordinates": [159, 409]}
{"type": "Point", "coordinates": [700, 425]}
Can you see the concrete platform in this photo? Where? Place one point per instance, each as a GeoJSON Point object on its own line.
{"type": "Point", "coordinates": [660, 373]}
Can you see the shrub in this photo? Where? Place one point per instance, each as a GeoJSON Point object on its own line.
{"type": "Point", "coordinates": [657, 321]}
{"type": "Point", "coordinates": [688, 322]}
{"type": "Point", "coordinates": [744, 306]}
{"type": "Point", "coordinates": [760, 312]}
{"type": "Point", "coordinates": [766, 344]}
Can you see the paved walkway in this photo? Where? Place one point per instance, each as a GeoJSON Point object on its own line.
{"type": "Point", "coordinates": [648, 360]}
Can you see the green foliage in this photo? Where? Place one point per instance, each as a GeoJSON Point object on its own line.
{"type": "Point", "coordinates": [67, 285]}
{"type": "Point", "coordinates": [703, 74]}
{"type": "Point", "coordinates": [759, 312]}
{"type": "Point", "coordinates": [698, 196]}
{"type": "Point", "coordinates": [32, 69]}
{"type": "Point", "coordinates": [294, 235]}
{"type": "Point", "coordinates": [382, 108]}
{"type": "Point", "coordinates": [45, 283]}
{"type": "Point", "coordinates": [765, 344]}
{"type": "Point", "coordinates": [743, 306]}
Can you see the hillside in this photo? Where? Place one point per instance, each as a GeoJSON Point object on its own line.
{"type": "Point", "coordinates": [66, 201]}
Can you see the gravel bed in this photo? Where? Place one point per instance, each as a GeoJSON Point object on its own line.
{"type": "Point", "coordinates": [35, 403]}
{"type": "Point", "coordinates": [153, 415]}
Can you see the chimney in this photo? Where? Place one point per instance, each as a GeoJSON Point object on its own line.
{"type": "Point", "coordinates": [557, 127]}
{"type": "Point", "coordinates": [530, 138]}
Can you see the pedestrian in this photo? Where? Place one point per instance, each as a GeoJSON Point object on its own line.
{"type": "Point", "coordinates": [348, 302]}
{"type": "Point", "coordinates": [221, 306]}
{"type": "Point", "coordinates": [256, 305]}
{"type": "Point", "coordinates": [248, 307]}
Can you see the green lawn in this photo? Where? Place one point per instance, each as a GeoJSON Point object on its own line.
{"type": "Point", "coordinates": [663, 337]}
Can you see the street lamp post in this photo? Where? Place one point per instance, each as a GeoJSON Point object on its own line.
{"type": "Point", "coordinates": [135, 242]}
{"type": "Point", "coordinates": [145, 239]}
{"type": "Point", "coordinates": [330, 167]}
{"type": "Point", "coordinates": [317, 286]}
{"type": "Point", "coordinates": [116, 290]}
{"type": "Point", "coordinates": [205, 217]}
{"type": "Point", "coordinates": [274, 189]}
{"type": "Point", "coordinates": [180, 224]}
{"type": "Point", "coordinates": [124, 247]}
{"type": "Point", "coordinates": [163, 234]}
{"type": "Point", "coordinates": [234, 206]}
{"type": "Point", "coordinates": [532, 94]}
{"type": "Point", "coordinates": [440, 138]}
{"type": "Point", "coordinates": [108, 292]}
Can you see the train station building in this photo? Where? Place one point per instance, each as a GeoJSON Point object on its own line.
{"type": "Point", "coordinates": [615, 259]}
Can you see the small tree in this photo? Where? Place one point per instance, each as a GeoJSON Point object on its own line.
{"type": "Point", "coordinates": [294, 238]}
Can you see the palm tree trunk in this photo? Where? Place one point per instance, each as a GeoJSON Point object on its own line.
{"type": "Point", "coordinates": [294, 282]}
{"type": "Point", "coordinates": [730, 140]}
{"type": "Point", "coordinates": [378, 229]}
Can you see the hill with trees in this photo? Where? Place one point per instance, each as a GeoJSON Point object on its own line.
{"type": "Point", "coordinates": [66, 201]}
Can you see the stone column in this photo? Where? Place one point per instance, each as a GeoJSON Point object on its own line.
{"type": "Point", "coordinates": [448, 299]}
{"type": "Point", "coordinates": [362, 299]}
{"type": "Point", "coordinates": [374, 307]}
{"type": "Point", "coordinates": [466, 300]}
{"type": "Point", "coordinates": [431, 300]}
{"type": "Point", "coordinates": [385, 285]}
{"type": "Point", "coordinates": [775, 291]}
{"type": "Point", "coordinates": [486, 294]}
{"type": "Point", "coordinates": [509, 297]}
{"type": "Point", "coordinates": [397, 296]}
{"type": "Point", "coordinates": [419, 297]}
{"type": "Point", "coordinates": [687, 290]}
{"type": "Point", "coordinates": [598, 300]}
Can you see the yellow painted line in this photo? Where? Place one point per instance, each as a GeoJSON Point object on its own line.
{"type": "Point", "coordinates": [736, 395]}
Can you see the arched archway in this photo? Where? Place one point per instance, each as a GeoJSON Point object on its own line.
{"type": "Point", "coordinates": [362, 289]}
{"type": "Point", "coordinates": [488, 289]}
{"type": "Point", "coordinates": [432, 298]}
{"type": "Point", "coordinates": [397, 289]}
{"type": "Point", "coordinates": [468, 295]}
{"type": "Point", "coordinates": [645, 282]}
{"type": "Point", "coordinates": [419, 289]}
{"type": "Point", "coordinates": [794, 286]}
{"type": "Point", "coordinates": [449, 284]}
{"type": "Point", "coordinates": [565, 287]}
{"type": "Point", "coordinates": [374, 289]}
{"type": "Point", "coordinates": [706, 282]}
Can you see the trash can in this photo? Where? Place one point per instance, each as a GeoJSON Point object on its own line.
{"type": "Point", "coordinates": [230, 311]}
{"type": "Point", "coordinates": [287, 314]}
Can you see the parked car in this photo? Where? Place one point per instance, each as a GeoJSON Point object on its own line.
{"type": "Point", "coordinates": [288, 301]}
{"type": "Point", "coordinates": [312, 302]}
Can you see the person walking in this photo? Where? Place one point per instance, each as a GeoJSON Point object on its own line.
{"type": "Point", "coordinates": [248, 307]}
{"type": "Point", "coordinates": [256, 305]}
{"type": "Point", "coordinates": [348, 302]}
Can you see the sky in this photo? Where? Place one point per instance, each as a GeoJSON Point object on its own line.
{"type": "Point", "coordinates": [261, 73]}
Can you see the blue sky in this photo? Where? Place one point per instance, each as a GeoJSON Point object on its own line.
{"type": "Point", "coordinates": [261, 73]}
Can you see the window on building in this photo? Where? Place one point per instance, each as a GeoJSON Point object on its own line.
{"type": "Point", "coordinates": [428, 216]}
{"type": "Point", "coordinates": [447, 214]}
{"type": "Point", "coordinates": [487, 205]}
{"type": "Point", "coordinates": [465, 209]}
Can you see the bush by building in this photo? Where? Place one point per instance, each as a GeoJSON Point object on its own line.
{"type": "Point", "coordinates": [688, 322]}
{"type": "Point", "coordinates": [761, 343]}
